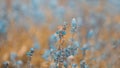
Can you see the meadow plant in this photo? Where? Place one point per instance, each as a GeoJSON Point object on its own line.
{"type": "Point", "coordinates": [5, 64]}
{"type": "Point", "coordinates": [30, 54]}
{"type": "Point", "coordinates": [63, 57]}
{"type": "Point", "coordinates": [83, 64]}
{"type": "Point", "coordinates": [13, 57]}
{"type": "Point", "coordinates": [19, 64]}
{"type": "Point", "coordinates": [2, 26]}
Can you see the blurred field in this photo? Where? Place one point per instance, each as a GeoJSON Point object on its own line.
{"type": "Point", "coordinates": [24, 26]}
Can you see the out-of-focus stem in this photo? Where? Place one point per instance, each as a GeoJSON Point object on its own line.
{"type": "Point", "coordinates": [29, 60]}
